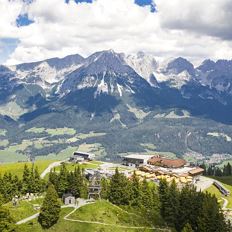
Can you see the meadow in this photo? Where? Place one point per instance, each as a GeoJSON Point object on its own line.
{"type": "Point", "coordinates": [101, 211]}
{"type": "Point", "coordinates": [17, 168]}
{"type": "Point", "coordinates": [227, 182]}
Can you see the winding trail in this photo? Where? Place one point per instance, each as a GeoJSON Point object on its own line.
{"type": "Point", "coordinates": [84, 202]}
{"type": "Point", "coordinates": [224, 207]}
{"type": "Point", "coordinates": [37, 215]}
{"type": "Point", "coordinates": [27, 219]}
{"type": "Point", "coordinates": [50, 167]}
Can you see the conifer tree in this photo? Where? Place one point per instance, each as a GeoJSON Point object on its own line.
{"type": "Point", "coordinates": [163, 197]}
{"type": "Point", "coordinates": [172, 205]}
{"type": "Point", "coordinates": [149, 204]}
{"type": "Point", "coordinates": [26, 179]}
{"type": "Point", "coordinates": [135, 191]}
{"type": "Point", "coordinates": [38, 182]}
{"type": "Point", "coordinates": [104, 188]}
{"type": "Point", "coordinates": [50, 209]}
{"type": "Point", "coordinates": [6, 221]}
{"type": "Point", "coordinates": [63, 180]}
{"type": "Point", "coordinates": [54, 179]}
{"type": "Point", "coordinates": [119, 189]}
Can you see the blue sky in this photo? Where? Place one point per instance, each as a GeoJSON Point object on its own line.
{"type": "Point", "coordinates": [23, 20]}
{"type": "Point", "coordinates": [7, 46]}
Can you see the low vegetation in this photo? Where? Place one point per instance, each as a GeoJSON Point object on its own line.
{"type": "Point", "coordinates": [105, 212]}
{"type": "Point", "coordinates": [23, 209]}
{"type": "Point", "coordinates": [72, 226]}
{"type": "Point", "coordinates": [72, 166]}
{"type": "Point", "coordinates": [127, 203]}
{"type": "Point", "coordinates": [227, 182]}
{"type": "Point", "coordinates": [18, 168]}
{"type": "Point", "coordinates": [51, 131]}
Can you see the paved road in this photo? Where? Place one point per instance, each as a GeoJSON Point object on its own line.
{"type": "Point", "coordinates": [50, 167]}
{"type": "Point", "coordinates": [204, 183]}
{"type": "Point", "coordinates": [224, 207]}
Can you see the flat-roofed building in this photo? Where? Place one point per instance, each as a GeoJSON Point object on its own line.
{"type": "Point", "coordinates": [135, 160]}
{"type": "Point", "coordinates": [79, 156]}
{"type": "Point", "coordinates": [196, 172]}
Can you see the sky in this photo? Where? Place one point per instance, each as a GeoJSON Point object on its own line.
{"type": "Point", "coordinates": [33, 30]}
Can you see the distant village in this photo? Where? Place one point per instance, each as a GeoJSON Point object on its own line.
{"type": "Point", "coordinates": [150, 167]}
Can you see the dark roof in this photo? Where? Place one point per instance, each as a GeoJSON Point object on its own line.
{"type": "Point", "coordinates": [170, 163]}
{"type": "Point", "coordinates": [65, 195]}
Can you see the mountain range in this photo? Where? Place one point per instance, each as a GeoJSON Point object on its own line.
{"type": "Point", "coordinates": [131, 99]}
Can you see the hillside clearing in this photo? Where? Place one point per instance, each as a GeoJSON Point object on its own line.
{"type": "Point", "coordinates": [73, 226]}
{"type": "Point", "coordinates": [214, 190]}
{"type": "Point", "coordinates": [17, 168]}
{"type": "Point", "coordinates": [23, 209]}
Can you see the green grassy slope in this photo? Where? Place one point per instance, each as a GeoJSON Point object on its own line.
{"type": "Point", "coordinates": [17, 168]}
{"type": "Point", "coordinates": [101, 211]}
{"type": "Point", "coordinates": [227, 182]}
{"type": "Point", "coordinates": [105, 212]}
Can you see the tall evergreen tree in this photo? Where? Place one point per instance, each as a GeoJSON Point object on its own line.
{"type": "Point", "coordinates": [63, 180]}
{"type": "Point", "coordinates": [135, 191]}
{"type": "Point", "coordinates": [210, 218]}
{"type": "Point", "coordinates": [6, 221]}
{"type": "Point", "coordinates": [26, 179]}
{"type": "Point", "coordinates": [119, 189]}
{"type": "Point", "coordinates": [104, 188]}
{"type": "Point", "coordinates": [163, 197]}
{"type": "Point", "coordinates": [172, 205]}
{"type": "Point", "coordinates": [50, 209]}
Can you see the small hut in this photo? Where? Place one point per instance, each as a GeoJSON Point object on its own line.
{"type": "Point", "coordinates": [68, 199]}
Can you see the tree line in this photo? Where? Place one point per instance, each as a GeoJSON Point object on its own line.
{"type": "Point", "coordinates": [181, 209]}
{"type": "Point", "coordinates": [217, 171]}
{"type": "Point", "coordinates": [198, 211]}
{"type": "Point", "coordinates": [12, 185]}
{"type": "Point", "coordinates": [73, 182]}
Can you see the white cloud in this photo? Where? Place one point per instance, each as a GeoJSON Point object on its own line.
{"type": "Point", "coordinates": [206, 17]}
{"type": "Point", "coordinates": [180, 28]}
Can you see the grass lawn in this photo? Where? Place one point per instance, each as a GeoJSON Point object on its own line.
{"type": "Point", "coordinates": [69, 226]}
{"type": "Point", "coordinates": [227, 182]}
{"type": "Point", "coordinates": [56, 131]}
{"type": "Point", "coordinates": [23, 210]}
{"type": "Point", "coordinates": [17, 168]}
{"type": "Point", "coordinates": [105, 212]}
{"type": "Point", "coordinates": [95, 148]}
{"type": "Point", "coordinates": [90, 135]}
{"type": "Point", "coordinates": [214, 191]}
{"type": "Point", "coordinates": [91, 164]}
